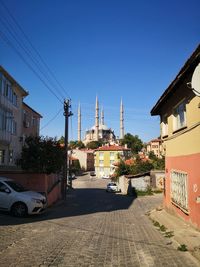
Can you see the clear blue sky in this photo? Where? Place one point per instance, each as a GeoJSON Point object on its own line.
{"type": "Point", "coordinates": [114, 49]}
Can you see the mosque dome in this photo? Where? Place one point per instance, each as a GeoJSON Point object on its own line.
{"type": "Point", "coordinates": [101, 127]}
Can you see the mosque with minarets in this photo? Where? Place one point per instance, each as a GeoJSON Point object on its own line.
{"type": "Point", "coordinates": [100, 132]}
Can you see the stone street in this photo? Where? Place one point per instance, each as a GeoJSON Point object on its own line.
{"type": "Point", "coordinates": [93, 228]}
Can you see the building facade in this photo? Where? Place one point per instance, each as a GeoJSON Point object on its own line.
{"type": "Point", "coordinates": [31, 121]}
{"type": "Point", "coordinates": [106, 158]}
{"type": "Point", "coordinates": [12, 130]}
{"type": "Point", "coordinates": [179, 110]}
{"type": "Point", "coordinates": [85, 157]}
{"type": "Point", "coordinates": [155, 146]}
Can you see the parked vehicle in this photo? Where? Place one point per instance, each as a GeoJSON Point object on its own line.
{"type": "Point", "coordinates": [72, 176]}
{"type": "Point", "coordinates": [18, 200]}
{"type": "Point", "coordinates": [105, 176]}
{"type": "Point", "coordinates": [112, 187]}
{"type": "Point", "coordinates": [92, 174]}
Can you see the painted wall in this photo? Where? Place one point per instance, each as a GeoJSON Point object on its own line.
{"type": "Point", "coordinates": [191, 165]}
{"type": "Point", "coordinates": [37, 182]}
{"type": "Point", "coordinates": [108, 159]}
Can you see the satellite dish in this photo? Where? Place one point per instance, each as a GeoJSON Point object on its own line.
{"type": "Point", "coordinates": [195, 83]}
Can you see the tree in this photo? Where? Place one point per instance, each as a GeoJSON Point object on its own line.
{"type": "Point", "coordinates": [76, 144]}
{"type": "Point", "coordinates": [141, 167]}
{"type": "Point", "coordinates": [75, 166]}
{"type": "Point", "coordinates": [61, 140]}
{"type": "Point", "coordinates": [122, 169]}
{"type": "Point", "coordinates": [94, 144]}
{"type": "Point", "coordinates": [42, 155]}
{"type": "Point", "coordinates": [133, 142]}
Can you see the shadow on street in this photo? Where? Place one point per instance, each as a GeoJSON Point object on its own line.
{"type": "Point", "coordinates": [78, 202]}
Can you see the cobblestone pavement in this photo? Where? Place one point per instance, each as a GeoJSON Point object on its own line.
{"type": "Point", "coordinates": [93, 228]}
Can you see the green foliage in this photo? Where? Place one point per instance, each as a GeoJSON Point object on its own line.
{"type": "Point", "coordinates": [152, 156]}
{"type": "Point", "coordinates": [75, 167]}
{"type": "Point", "coordinates": [148, 192]}
{"type": "Point", "coordinates": [182, 247]}
{"type": "Point", "coordinates": [140, 167]}
{"type": "Point", "coordinates": [76, 144]}
{"type": "Point", "coordinates": [122, 169]}
{"type": "Point", "coordinates": [133, 142]}
{"type": "Point", "coordinates": [169, 234]}
{"type": "Point", "coordinates": [42, 155]}
{"type": "Point", "coordinates": [163, 228]}
{"type": "Point", "coordinates": [156, 224]}
{"type": "Point", "coordinates": [158, 163]}
{"type": "Point", "coordinates": [61, 140]}
{"type": "Point", "coordinates": [94, 144]}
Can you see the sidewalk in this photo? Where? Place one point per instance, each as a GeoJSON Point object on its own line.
{"type": "Point", "coordinates": [183, 233]}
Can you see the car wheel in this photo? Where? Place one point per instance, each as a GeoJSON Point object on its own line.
{"type": "Point", "coordinates": [19, 209]}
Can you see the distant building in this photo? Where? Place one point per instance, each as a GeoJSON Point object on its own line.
{"type": "Point", "coordinates": [155, 146]}
{"type": "Point", "coordinates": [106, 158]}
{"type": "Point", "coordinates": [12, 130]}
{"type": "Point", "coordinates": [85, 157]}
{"type": "Point", "coordinates": [179, 110]}
{"type": "Point", "coordinates": [100, 132]}
{"type": "Point", "coordinates": [31, 121]}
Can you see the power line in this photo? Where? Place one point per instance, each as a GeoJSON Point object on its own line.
{"type": "Point", "coordinates": [28, 53]}
{"type": "Point", "coordinates": [6, 40]}
{"type": "Point", "coordinates": [33, 48]}
{"type": "Point", "coordinates": [54, 117]}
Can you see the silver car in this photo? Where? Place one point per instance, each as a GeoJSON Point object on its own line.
{"type": "Point", "coordinates": [19, 201]}
{"type": "Point", "coordinates": [112, 187]}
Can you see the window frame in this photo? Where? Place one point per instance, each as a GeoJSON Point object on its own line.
{"type": "Point", "coordinates": [177, 113]}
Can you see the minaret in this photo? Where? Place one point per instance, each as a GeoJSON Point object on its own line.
{"type": "Point", "coordinates": [102, 116]}
{"type": "Point", "coordinates": [97, 120]}
{"type": "Point", "coordinates": [121, 120]}
{"type": "Point", "coordinates": [79, 122]}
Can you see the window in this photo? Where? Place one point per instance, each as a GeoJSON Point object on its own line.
{"type": "Point", "coordinates": [3, 187]}
{"type": "Point", "coordinates": [100, 155]}
{"type": "Point", "coordinates": [2, 119]}
{"type": "Point", "coordinates": [10, 156]}
{"type": "Point", "coordinates": [180, 116]}
{"type": "Point", "coordinates": [2, 156]}
{"type": "Point", "coordinates": [179, 194]}
{"type": "Point", "coordinates": [7, 91]}
{"type": "Point", "coordinates": [164, 126]}
{"type": "Point", "coordinates": [14, 127]}
{"type": "Point", "coordinates": [101, 162]}
{"type": "Point", "coordinates": [34, 121]}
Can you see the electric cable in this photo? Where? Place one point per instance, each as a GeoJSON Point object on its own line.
{"type": "Point", "coordinates": [52, 119]}
{"type": "Point", "coordinates": [28, 53]}
{"type": "Point", "coordinates": [6, 40]}
{"type": "Point", "coordinates": [34, 49]}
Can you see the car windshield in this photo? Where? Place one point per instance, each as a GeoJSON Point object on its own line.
{"type": "Point", "coordinates": [16, 187]}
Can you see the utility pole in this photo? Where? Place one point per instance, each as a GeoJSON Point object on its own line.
{"type": "Point", "coordinates": [67, 114]}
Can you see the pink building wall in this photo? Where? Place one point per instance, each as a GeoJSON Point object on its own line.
{"type": "Point", "coordinates": [38, 182]}
{"type": "Point", "coordinates": [191, 165]}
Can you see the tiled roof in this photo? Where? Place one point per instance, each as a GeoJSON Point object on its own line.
{"type": "Point", "coordinates": [112, 148]}
{"type": "Point", "coordinates": [188, 67]}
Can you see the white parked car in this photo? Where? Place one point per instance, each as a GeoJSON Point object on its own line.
{"type": "Point", "coordinates": [105, 176]}
{"type": "Point", "coordinates": [112, 187]}
{"type": "Point", "coordinates": [19, 201]}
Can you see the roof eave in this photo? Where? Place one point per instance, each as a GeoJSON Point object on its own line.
{"type": "Point", "coordinates": [170, 90]}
